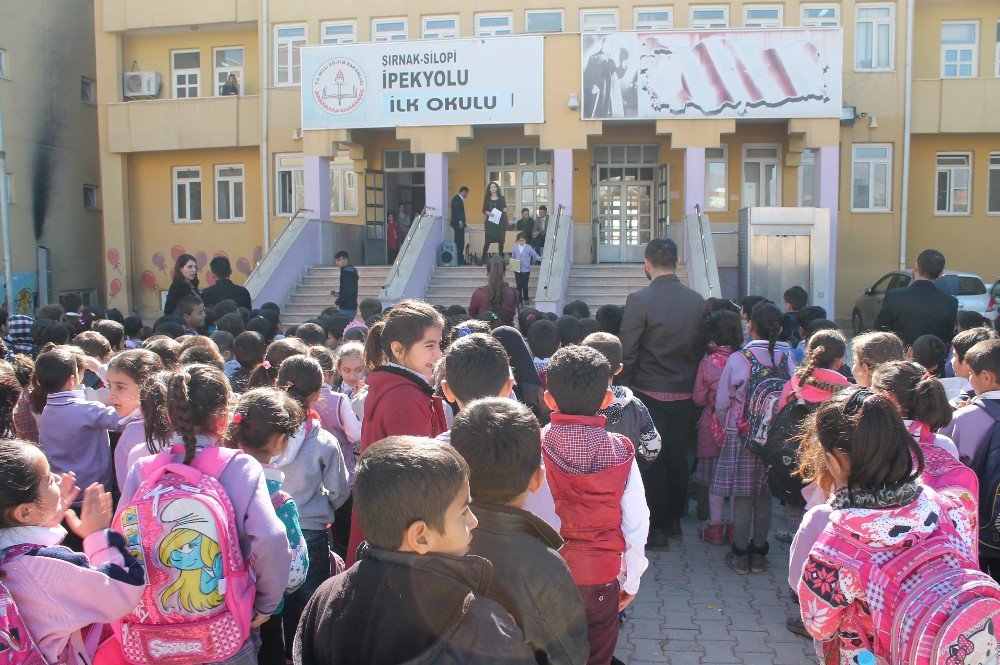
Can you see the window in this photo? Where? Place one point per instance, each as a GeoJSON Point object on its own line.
{"type": "Point", "coordinates": [953, 183]}
{"type": "Point", "coordinates": [289, 184]}
{"type": "Point", "coordinates": [873, 47]}
{"type": "Point", "coordinates": [709, 18]}
{"type": "Point", "coordinates": [187, 194]}
{"type": "Point", "coordinates": [524, 176]}
{"type": "Point", "coordinates": [186, 73]}
{"type": "Point", "coordinates": [993, 199]}
{"type": "Point", "coordinates": [959, 49]}
{"type": "Point", "coordinates": [90, 198]}
{"type": "Point", "coordinates": [389, 30]}
{"type": "Point", "coordinates": [440, 27]}
{"type": "Point", "coordinates": [338, 33]}
{"type": "Point", "coordinates": [717, 178]}
{"type": "Point", "coordinates": [229, 193]}
{"type": "Point", "coordinates": [86, 90]}
{"type": "Point", "coordinates": [871, 177]}
{"type": "Point", "coordinates": [820, 16]}
{"type": "Point", "coordinates": [599, 20]}
{"type": "Point", "coordinates": [4, 64]}
{"type": "Point", "coordinates": [228, 61]}
{"type": "Point", "coordinates": [761, 175]}
{"type": "Point", "coordinates": [807, 173]}
{"type": "Point", "coordinates": [492, 25]}
{"type": "Point", "coordinates": [650, 18]}
{"type": "Point", "coordinates": [763, 16]}
{"type": "Point", "coordinates": [288, 42]}
{"type": "Point", "coordinates": [543, 21]}
{"type": "Point", "coordinates": [343, 189]}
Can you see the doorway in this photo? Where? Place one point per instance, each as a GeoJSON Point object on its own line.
{"type": "Point", "coordinates": [404, 182]}
{"type": "Point", "coordinates": [623, 180]}
{"type": "Point", "coordinates": [761, 176]}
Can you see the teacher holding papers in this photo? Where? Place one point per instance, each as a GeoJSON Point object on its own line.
{"type": "Point", "coordinates": [495, 209]}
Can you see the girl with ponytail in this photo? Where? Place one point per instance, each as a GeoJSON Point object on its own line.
{"type": "Point", "coordinates": [195, 404]}
{"type": "Point", "coordinates": [497, 296]}
{"type": "Point", "coordinates": [266, 373]}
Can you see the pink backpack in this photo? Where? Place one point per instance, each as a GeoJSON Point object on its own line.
{"type": "Point", "coordinates": [16, 645]}
{"type": "Point", "coordinates": [198, 603]}
{"type": "Point", "coordinates": [942, 470]}
{"type": "Point", "coordinates": [939, 609]}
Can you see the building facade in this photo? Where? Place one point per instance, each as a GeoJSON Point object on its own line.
{"type": "Point", "coordinates": [47, 98]}
{"type": "Point", "coordinates": [206, 147]}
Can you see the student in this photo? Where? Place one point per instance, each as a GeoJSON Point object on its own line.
{"type": "Point", "coordinates": [570, 331]}
{"type": "Point", "coordinates": [871, 350]}
{"type": "Point", "coordinates": [224, 342]}
{"type": "Point", "coordinates": [249, 349]}
{"type": "Point", "coordinates": [192, 310]}
{"type": "Point", "coordinates": [929, 352]}
{"type": "Point", "coordinates": [265, 375]}
{"type": "Point", "coordinates": [804, 318]}
{"type": "Point", "coordinates": [197, 408]}
{"type": "Point", "coordinates": [127, 372]}
{"type": "Point", "coordinates": [527, 384]}
{"type": "Point", "coordinates": [496, 296]}
{"type": "Point", "coordinates": [879, 512]}
{"type": "Point", "coordinates": [746, 307]}
{"type": "Point", "coordinates": [334, 409]}
{"type": "Point", "coordinates": [610, 318]}
{"type": "Point", "coordinates": [62, 596]}
{"type": "Point", "coordinates": [740, 473]}
{"type": "Point", "coordinates": [971, 424]}
{"type": "Point", "coordinates": [523, 253]}
{"type": "Point", "coordinates": [262, 423]}
{"type": "Point", "coordinates": [97, 347]}
{"type": "Point", "coordinates": [795, 299]}
{"type": "Point", "coordinates": [543, 340]}
{"type": "Point", "coordinates": [598, 494]}
{"type": "Point", "coordinates": [957, 388]}
{"type": "Point", "coordinates": [475, 367]}
{"type": "Point", "coordinates": [540, 229]}
{"type": "Point", "coordinates": [350, 373]}
{"type": "Point", "coordinates": [412, 502]}
{"type": "Point", "coordinates": [724, 336]}
{"type": "Point", "coordinates": [347, 294]}
{"type": "Point", "coordinates": [25, 422]}
{"type": "Point", "coordinates": [370, 308]}
{"type": "Point", "coordinates": [112, 331]}
{"type": "Point", "coordinates": [501, 443]}
{"type": "Point", "coordinates": [133, 332]}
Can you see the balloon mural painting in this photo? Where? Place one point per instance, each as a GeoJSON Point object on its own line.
{"type": "Point", "coordinates": [115, 260]}
{"type": "Point", "coordinates": [116, 287]}
{"type": "Point", "coordinates": [149, 280]}
{"type": "Point", "coordinates": [258, 254]}
{"type": "Point", "coordinates": [176, 251]}
{"type": "Point", "coordinates": [243, 265]}
{"type": "Point", "coordinates": [160, 261]}
{"type": "Point", "coordinates": [202, 259]}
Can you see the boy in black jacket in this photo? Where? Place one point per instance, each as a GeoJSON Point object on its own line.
{"type": "Point", "coordinates": [347, 296]}
{"type": "Point", "coordinates": [501, 442]}
{"type": "Point", "coordinates": [413, 595]}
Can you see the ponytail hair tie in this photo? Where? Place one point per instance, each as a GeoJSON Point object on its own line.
{"type": "Point", "coordinates": [238, 419]}
{"type": "Point", "coordinates": [265, 364]}
{"type": "Point", "coordinates": [927, 375]}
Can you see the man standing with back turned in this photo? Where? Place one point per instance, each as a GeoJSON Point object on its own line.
{"type": "Point", "coordinates": [921, 308]}
{"type": "Point", "coordinates": [458, 222]}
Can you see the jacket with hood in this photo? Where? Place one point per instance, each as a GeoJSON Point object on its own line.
{"type": "Point", "coordinates": [706, 385]}
{"type": "Point", "coordinates": [628, 416]}
{"type": "Point", "coordinates": [315, 474]}
{"type": "Point", "coordinates": [837, 599]}
{"type": "Point", "coordinates": [398, 608]}
{"type": "Point", "coordinates": [347, 298]}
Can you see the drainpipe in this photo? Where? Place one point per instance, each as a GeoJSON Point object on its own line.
{"type": "Point", "coordinates": [265, 175]}
{"type": "Point", "coordinates": [8, 270]}
{"type": "Point", "coordinates": [907, 117]}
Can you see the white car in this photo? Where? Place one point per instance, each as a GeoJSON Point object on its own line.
{"type": "Point", "coordinates": [991, 310]}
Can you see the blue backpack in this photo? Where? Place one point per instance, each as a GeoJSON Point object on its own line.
{"type": "Point", "coordinates": [986, 464]}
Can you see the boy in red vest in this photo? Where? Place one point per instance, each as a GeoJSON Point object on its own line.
{"type": "Point", "coordinates": [598, 494]}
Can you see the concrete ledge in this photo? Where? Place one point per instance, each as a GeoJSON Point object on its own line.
{"type": "Point", "coordinates": [184, 124]}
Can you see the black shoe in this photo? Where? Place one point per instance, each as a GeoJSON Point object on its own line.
{"type": "Point", "coordinates": [758, 558]}
{"type": "Point", "coordinates": [795, 625]}
{"type": "Point", "coordinates": [674, 527]}
{"type": "Point", "coordinates": [658, 539]}
{"type": "Point", "coordinates": [739, 561]}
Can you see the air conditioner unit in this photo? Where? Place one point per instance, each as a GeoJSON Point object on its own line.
{"type": "Point", "coordinates": [141, 85]}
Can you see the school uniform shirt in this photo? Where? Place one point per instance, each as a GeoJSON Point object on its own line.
{"type": "Point", "coordinates": [74, 434]}
{"type": "Point", "coordinates": [315, 474]}
{"type": "Point", "coordinates": [525, 254]}
{"type": "Point", "coordinates": [337, 416]}
{"type": "Point", "coordinates": [133, 436]}
{"type": "Point", "coordinates": [969, 426]}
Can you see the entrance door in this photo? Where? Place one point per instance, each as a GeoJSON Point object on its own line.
{"type": "Point", "coordinates": [780, 260]}
{"type": "Point", "coordinates": [623, 180]}
{"type": "Point", "coordinates": [761, 176]}
{"type": "Point", "coordinates": [375, 250]}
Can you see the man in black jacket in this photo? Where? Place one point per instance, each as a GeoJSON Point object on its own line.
{"type": "Point", "coordinates": [458, 222]}
{"type": "Point", "coordinates": [921, 308]}
{"type": "Point", "coordinates": [347, 296]}
{"type": "Point", "coordinates": [224, 289]}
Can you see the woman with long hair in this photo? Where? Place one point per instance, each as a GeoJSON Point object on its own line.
{"type": "Point", "coordinates": [495, 233]}
{"type": "Point", "coordinates": [185, 282]}
{"type": "Point", "coordinates": [497, 296]}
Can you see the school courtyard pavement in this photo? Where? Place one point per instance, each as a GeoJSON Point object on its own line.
{"type": "Point", "coordinates": [692, 609]}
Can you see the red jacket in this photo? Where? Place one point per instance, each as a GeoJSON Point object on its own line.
{"type": "Point", "coordinates": [481, 303]}
{"type": "Point", "coordinates": [398, 403]}
{"type": "Point", "coordinates": [393, 236]}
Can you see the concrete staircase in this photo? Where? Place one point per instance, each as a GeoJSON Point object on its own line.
{"type": "Point", "coordinates": [454, 286]}
{"type": "Point", "coordinates": [312, 295]}
{"type": "Point", "coordinates": [608, 283]}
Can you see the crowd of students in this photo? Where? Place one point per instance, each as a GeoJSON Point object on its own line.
{"type": "Point", "coordinates": [415, 485]}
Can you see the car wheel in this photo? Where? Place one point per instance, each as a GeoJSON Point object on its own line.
{"type": "Point", "coordinates": [857, 323]}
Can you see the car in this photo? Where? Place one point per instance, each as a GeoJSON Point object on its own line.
{"type": "Point", "coordinates": [969, 289]}
{"type": "Point", "coordinates": [991, 309]}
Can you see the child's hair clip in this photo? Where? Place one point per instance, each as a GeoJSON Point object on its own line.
{"type": "Point", "coordinates": [238, 419]}
{"type": "Point", "coordinates": [265, 364]}
{"type": "Point", "coordinates": [462, 332]}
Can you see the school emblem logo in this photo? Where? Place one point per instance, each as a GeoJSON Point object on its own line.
{"type": "Point", "coordinates": [339, 86]}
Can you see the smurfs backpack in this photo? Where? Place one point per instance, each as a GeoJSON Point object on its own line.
{"type": "Point", "coordinates": [198, 603]}
{"type": "Point", "coordinates": [763, 396]}
{"type": "Point", "coordinates": [16, 645]}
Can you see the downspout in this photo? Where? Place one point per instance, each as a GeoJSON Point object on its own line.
{"type": "Point", "coordinates": [8, 269]}
{"type": "Point", "coordinates": [907, 115]}
{"type": "Point", "coordinates": [265, 176]}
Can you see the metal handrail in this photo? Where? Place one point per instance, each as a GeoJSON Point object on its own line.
{"type": "Point", "coordinates": [278, 239]}
{"type": "Point", "coordinates": [407, 241]}
{"type": "Point", "coordinates": [704, 251]}
{"type": "Point", "coordinates": [553, 246]}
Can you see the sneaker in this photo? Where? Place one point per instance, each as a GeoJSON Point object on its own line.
{"type": "Point", "coordinates": [785, 537]}
{"type": "Point", "coordinates": [739, 563]}
{"type": "Point", "coordinates": [758, 563]}
{"type": "Point", "coordinates": [795, 625]}
{"type": "Point", "coordinates": [730, 532]}
{"type": "Point", "coordinates": [713, 534]}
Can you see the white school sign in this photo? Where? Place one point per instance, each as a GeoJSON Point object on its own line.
{"type": "Point", "coordinates": [423, 83]}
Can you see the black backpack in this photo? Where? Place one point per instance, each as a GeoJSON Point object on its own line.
{"type": "Point", "coordinates": [781, 452]}
{"type": "Point", "coordinates": [986, 464]}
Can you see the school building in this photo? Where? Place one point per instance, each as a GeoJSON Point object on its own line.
{"type": "Point", "coordinates": [821, 143]}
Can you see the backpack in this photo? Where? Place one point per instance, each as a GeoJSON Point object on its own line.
{"type": "Point", "coordinates": [198, 602]}
{"type": "Point", "coordinates": [781, 453]}
{"type": "Point", "coordinates": [986, 464]}
{"type": "Point", "coordinates": [763, 395]}
{"type": "Point", "coordinates": [942, 470]}
{"type": "Point", "coordinates": [16, 644]}
{"type": "Point", "coordinates": [934, 611]}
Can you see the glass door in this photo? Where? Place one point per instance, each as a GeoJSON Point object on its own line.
{"type": "Point", "coordinates": [761, 176]}
{"type": "Point", "coordinates": [623, 179]}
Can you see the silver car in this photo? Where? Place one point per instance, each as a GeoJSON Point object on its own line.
{"type": "Point", "coordinates": [969, 289]}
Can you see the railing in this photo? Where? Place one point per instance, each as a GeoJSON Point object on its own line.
{"type": "Point", "coordinates": [553, 276]}
{"type": "Point", "coordinates": [405, 249]}
{"type": "Point", "coordinates": [703, 267]}
{"type": "Point", "coordinates": [412, 270]}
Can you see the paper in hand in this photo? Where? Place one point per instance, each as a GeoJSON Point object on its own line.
{"type": "Point", "coordinates": [494, 216]}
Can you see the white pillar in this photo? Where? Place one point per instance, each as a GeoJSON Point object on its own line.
{"type": "Point", "coordinates": [694, 180]}
{"type": "Point", "coordinates": [316, 185]}
{"type": "Point", "coordinates": [436, 184]}
{"type": "Point", "coordinates": [826, 194]}
{"type": "Point", "coordinates": [562, 181]}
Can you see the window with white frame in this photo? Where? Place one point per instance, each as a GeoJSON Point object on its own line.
{"type": "Point", "coordinates": [229, 193]}
{"type": "Point", "coordinates": [289, 184]}
{"type": "Point", "coordinates": [187, 194]}
{"type": "Point", "coordinates": [763, 16]}
{"type": "Point", "coordinates": [873, 37]}
{"type": "Point", "coordinates": [807, 173]}
{"type": "Point", "coordinates": [4, 64]}
{"type": "Point", "coordinates": [87, 93]}
{"type": "Point", "coordinates": [343, 189]}
{"type": "Point", "coordinates": [186, 72]}
{"type": "Point", "coordinates": [228, 61]}
{"type": "Point", "coordinates": [953, 183]}
{"type": "Point", "coordinates": [717, 178]}
{"type": "Point", "coordinates": [993, 198]}
{"type": "Point", "coordinates": [599, 20]}
{"type": "Point", "coordinates": [90, 202]}
{"type": "Point", "coordinates": [440, 27]}
{"type": "Point", "coordinates": [389, 30]}
{"type": "Point", "coordinates": [871, 177]}
{"type": "Point", "coordinates": [709, 18]}
{"type": "Point", "coordinates": [288, 42]}
{"type": "Point", "coordinates": [338, 32]}
{"type": "Point", "coordinates": [493, 25]}
{"type": "Point", "coordinates": [820, 16]}
{"type": "Point", "coordinates": [761, 175]}
{"type": "Point", "coordinates": [959, 49]}
{"type": "Point", "coordinates": [543, 20]}
{"type": "Point", "coordinates": [653, 18]}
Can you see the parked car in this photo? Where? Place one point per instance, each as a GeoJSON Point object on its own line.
{"type": "Point", "coordinates": [969, 289]}
{"type": "Point", "coordinates": [991, 309]}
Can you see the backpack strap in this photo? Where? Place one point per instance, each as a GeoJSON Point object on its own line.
{"type": "Point", "coordinates": [752, 359]}
{"type": "Point", "coordinates": [992, 407]}
{"type": "Point", "coordinates": [922, 432]}
{"type": "Point", "coordinates": [212, 461]}
{"type": "Point", "coordinates": [14, 551]}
